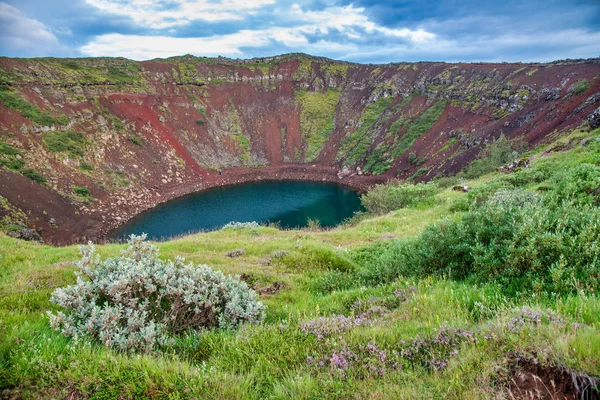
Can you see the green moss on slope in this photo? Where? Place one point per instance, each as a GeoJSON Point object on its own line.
{"type": "Point", "coordinates": [355, 147]}
{"type": "Point", "coordinates": [419, 127]}
{"type": "Point", "coordinates": [316, 119]}
{"type": "Point", "coordinates": [12, 99]}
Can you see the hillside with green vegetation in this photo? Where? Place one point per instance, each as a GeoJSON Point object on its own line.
{"type": "Point", "coordinates": [431, 293]}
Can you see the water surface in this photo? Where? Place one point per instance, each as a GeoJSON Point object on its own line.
{"type": "Point", "coordinates": [289, 203]}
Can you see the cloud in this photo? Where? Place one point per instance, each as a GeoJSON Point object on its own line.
{"type": "Point", "coordinates": [311, 34]}
{"type": "Point", "coordinates": [172, 13]}
{"type": "Point", "coordinates": [23, 36]}
{"type": "Point", "coordinates": [146, 47]}
{"type": "Point", "coordinates": [354, 30]}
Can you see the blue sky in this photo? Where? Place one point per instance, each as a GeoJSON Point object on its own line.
{"type": "Point", "coordinates": [361, 30]}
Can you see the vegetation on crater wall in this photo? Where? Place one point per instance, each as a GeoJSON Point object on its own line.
{"type": "Point", "coordinates": [354, 147]}
{"type": "Point", "coordinates": [317, 112]}
{"type": "Point", "coordinates": [11, 157]}
{"type": "Point", "coordinates": [417, 128]}
{"type": "Point", "coordinates": [65, 141]}
{"type": "Point", "coordinates": [12, 99]}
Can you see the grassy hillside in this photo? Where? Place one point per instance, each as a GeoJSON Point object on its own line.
{"type": "Point", "coordinates": [413, 303]}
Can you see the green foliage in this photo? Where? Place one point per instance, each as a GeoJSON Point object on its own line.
{"type": "Point", "coordinates": [379, 162]}
{"type": "Point", "coordinates": [494, 155]}
{"type": "Point", "coordinates": [580, 184]}
{"type": "Point", "coordinates": [116, 122]}
{"type": "Point", "coordinates": [580, 86]}
{"type": "Point", "coordinates": [68, 141]}
{"type": "Point", "coordinates": [135, 140]}
{"type": "Point", "coordinates": [419, 127]}
{"type": "Point", "coordinates": [418, 173]}
{"type": "Point", "coordinates": [34, 175]}
{"type": "Point", "coordinates": [11, 157]}
{"type": "Point", "coordinates": [314, 258]}
{"type": "Point", "coordinates": [13, 100]}
{"type": "Point", "coordinates": [515, 239]}
{"type": "Point", "coordinates": [118, 178]}
{"type": "Point", "coordinates": [413, 159]}
{"type": "Point", "coordinates": [82, 191]}
{"type": "Point", "coordinates": [84, 166]}
{"type": "Point", "coordinates": [137, 301]}
{"type": "Point", "coordinates": [393, 196]}
{"type": "Point", "coordinates": [317, 111]}
{"type": "Point", "coordinates": [355, 146]}
{"type": "Point", "coordinates": [200, 122]}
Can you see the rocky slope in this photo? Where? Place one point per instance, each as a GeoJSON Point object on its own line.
{"type": "Point", "coordinates": [87, 143]}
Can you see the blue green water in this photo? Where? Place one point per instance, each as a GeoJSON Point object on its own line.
{"type": "Point", "coordinates": [289, 203]}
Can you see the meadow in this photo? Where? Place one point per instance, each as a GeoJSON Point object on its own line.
{"type": "Point", "coordinates": [431, 293]}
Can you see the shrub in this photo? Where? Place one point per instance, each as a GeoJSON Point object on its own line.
{"type": "Point", "coordinates": [13, 100]}
{"type": "Point", "coordinates": [69, 141]}
{"type": "Point", "coordinates": [413, 159]}
{"type": "Point", "coordinates": [86, 166]}
{"type": "Point", "coordinates": [580, 184]}
{"type": "Point", "coordinates": [138, 301]}
{"type": "Point", "coordinates": [11, 157]}
{"type": "Point", "coordinates": [495, 154]}
{"type": "Point", "coordinates": [135, 140]}
{"type": "Point", "coordinates": [519, 240]}
{"type": "Point", "coordinates": [580, 86]}
{"type": "Point", "coordinates": [392, 196]}
{"type": "Point", "coordinates": [34, 175]}
{"type": "Point", "coordinates": [313, 258]}
{"type": "Point", "coordinates": [81, 190]}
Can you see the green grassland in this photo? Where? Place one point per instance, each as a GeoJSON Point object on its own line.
{"type": "Point", "coordinates": [411, 328]}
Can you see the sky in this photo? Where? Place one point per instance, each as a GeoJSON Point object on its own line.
{"type": "Point", "coordinates": [362, 31]}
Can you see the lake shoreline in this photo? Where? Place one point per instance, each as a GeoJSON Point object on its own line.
{"type": "Point", "coordinates": [100, 219]}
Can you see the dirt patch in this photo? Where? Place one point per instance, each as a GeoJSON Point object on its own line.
{"type": "Point", "coordinates": [271, 289]}
{"type": "Point", "coordinates": [528, 379]}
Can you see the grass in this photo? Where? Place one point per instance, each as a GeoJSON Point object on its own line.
{"type": "Point", "coordinates": [580, 86]}
{"type": "Point", "coordinates": [355, 146]}
{"type": "Point", "coordinates": [11, 157]}
{"type": "Point", "coordinates": [70, 142]}
{"type": "Point", "coordinates": [419, 127]}
{"type": "Point", "coordinates": [317, 111]}
{"type": "Point", "coordinates": [271, 361]}
{"type": "Point", "coordinates": [34, 175]}
{"type": "Point", "coordinates": [135, 140]}
{"type": "Point", "coordinates": [13, 100]}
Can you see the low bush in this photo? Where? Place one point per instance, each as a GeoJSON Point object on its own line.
{"type": "Point", "coordinates": [135, 140]}
{"type": "Point", "coordinates": [580, 86]}
{"type": "Point", "coordinates": [81, 190]}
{"type": "Point", "coordinates": [580, 184]}
{"type": "Point", "coordinates": [495, 154]}
{"type": "Point", "coordinates": [393, 196]}
{"type": "Point", "coordinates": [34, 175]}
{"type": "Point", "coordinates": [84, 166]}
{"type": "Point", "coordinates": [69, 141]}
{"type": "Point", "coordinates": [12, 99]}
{"type": "Point", "coordinates": [519, 240]}
{"type": "Point", "coordinates": [137, 301]}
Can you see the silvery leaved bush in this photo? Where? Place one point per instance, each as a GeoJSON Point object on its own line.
{"type": "Point", "coordinates": [241, 225]}
{"type": "Point", "coordinates": [137, 301]}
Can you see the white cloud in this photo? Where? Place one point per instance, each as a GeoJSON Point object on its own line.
{"type": "Point", "coordinates": [147, 47]}
{"type": "Point", "coordinates": [350, 22]}
{"type": "Point", "coordinates": [172, 13]}
{"type": "Point", "coordinates": [22, 35]}
{"type": "Point", "coordinates": [348, 19]}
